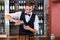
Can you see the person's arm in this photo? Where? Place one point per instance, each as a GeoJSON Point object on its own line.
{"type": "Point", "coordinates": [36, 24]}
{"type": "Point", "coordinates": [8, 16]}
{"type": "Point", "coordinates": [30, 29]}
{"type": "Point", "coordinates": [33, 30]}
{"type": "Point", "coordinates": [13, 17]}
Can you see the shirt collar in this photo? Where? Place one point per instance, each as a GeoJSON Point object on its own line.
{"type": "Point", "coordinates": [30, 13]}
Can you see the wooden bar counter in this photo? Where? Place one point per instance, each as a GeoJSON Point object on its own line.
{"type": "Point", "coordinates": [26, 38]}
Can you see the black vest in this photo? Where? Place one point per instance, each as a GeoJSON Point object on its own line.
{"type": "Point", "coordinates": [22, 31]}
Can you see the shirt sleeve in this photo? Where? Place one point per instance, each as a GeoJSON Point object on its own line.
{"type": "Point", "coordinates": [16, 15]}
{"type": "Point", "coordinates": [36, 25]}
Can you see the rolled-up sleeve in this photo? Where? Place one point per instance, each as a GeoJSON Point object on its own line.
{"type": "Point", "coordinates": [15, 15]}
{"type": "Point", "coordinates": [36, 23]}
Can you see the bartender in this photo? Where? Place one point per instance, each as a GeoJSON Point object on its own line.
{"type": "Point", "coordinates": [30, 26]}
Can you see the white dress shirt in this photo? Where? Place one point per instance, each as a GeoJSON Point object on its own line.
{"type": "Point", "coordinates": [27, 18]}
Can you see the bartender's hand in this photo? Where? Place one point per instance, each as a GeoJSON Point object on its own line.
{"type": "Point", "coordinates": [30, 29]}
{"type": "Point", "coordinates": [17, 22]}
{"type": "Point", "coordinates": [27, 27]}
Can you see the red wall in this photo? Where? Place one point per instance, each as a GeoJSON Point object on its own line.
{"type": "Point", "coordinates": [55, 19]}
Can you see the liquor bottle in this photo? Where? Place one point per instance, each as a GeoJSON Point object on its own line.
{"type": "Point", "coordinates": [41, 21]}
{"type": "Point", "coordinates": [41, 31]}
{"type": "Point", "coordinates": [13, 1]}
{"type": "Point", "coordinates": [24, 1]}
{"type": "Point", "coordinates": [24, 6]}
{"type": "Point", "coordinates": [19, 2]}
{"type": "Point", "coordinates": [33, 6]}
{"type": "Point", "coordinates": [20, 7]}
{"type": "Point", "coordinates": [1, 29]}
{"type": "Point", "coordinates": [0, 7]}
{"type": "Point", "coordinates": [13, 7]}
{"type": "Point", "coordinates": [41, 7]}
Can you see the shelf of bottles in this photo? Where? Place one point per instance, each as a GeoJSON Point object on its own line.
{"type": "Point", "coordinates": [13, 30]}
{"type": "Point", "coordinates": [1, 6]}
{"type": "Point", "coordinates": [40, 13]}
{"type": "Point", "coordinates": [13, 4]}
{"type": "Point", "coordinates": [2, 29]}
{"type": "Point", "coordinates": [19, 5]}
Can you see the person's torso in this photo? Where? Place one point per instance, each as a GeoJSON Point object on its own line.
{"type": "Point", "coordinates": [30, 23]}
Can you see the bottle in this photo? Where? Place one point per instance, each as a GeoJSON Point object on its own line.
{"type": "Point", "coordinates": [33, 6]}
{"type": "Point", "coordinates": [13, 1]}
{"type": "Point", "coordinates": [41, 21]}
{"type": "Point", "coordinates": [41, 7]}
{"type": "Point", "coordinates": [24, 6]}
{"type": "Point", "coordinates": [21, 7]}
{"type": "Point", "coordinates": [0, 7]}
{"type": "Point", "coordinates": [1, 29]}
{"type": "Point", "coordinates": [19, 2]}
{"type": "Point", "coordinates": [24, 1]}
{"type": "Point", "coordinates": [10, 7]}
{"type": "Point", "coordinates": [41, 31]}
{"type": "Point", "coordinates": [52, 37]}
{"type": "Point", "coordinates": [13, 7]}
